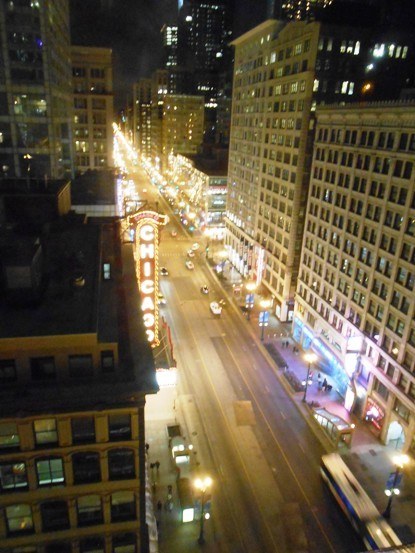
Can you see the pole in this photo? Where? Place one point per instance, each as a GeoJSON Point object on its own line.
{"type": "Point", "coordinates": [387, 512]}
{"type": "Point", "coordinates": [262, 332]}
{"type": "Point", "coordinates": [201, 539]}
{"type": "Point", "coordinates": [306, 382]}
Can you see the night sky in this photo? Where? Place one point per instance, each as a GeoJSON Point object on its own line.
{"type": "Point", "coordinates": [132, 29]}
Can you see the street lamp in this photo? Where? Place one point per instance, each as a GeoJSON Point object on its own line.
{"type": "Point", "coordinates": [203, 484]}
{"type": "Point", "coordinates": [392, 485]}
{"type": "Point", "coordinates": [264, 316]}
{"type": "Point", "coordinates": [28, 157]}
{"type": "Point", "coordinates": [249, 301]}
{"type": "Point", "coordinates": [310, 358]}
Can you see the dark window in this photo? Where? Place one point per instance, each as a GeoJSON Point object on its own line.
{"type": "Point", "coordinates": [107, 361]}
{"type": "Point", "coordinates": [89, 509]}
{"type": "Point", "coordinates": [92, 545]}
{"type": "Point", "coordinates": [119, 427]}
{"type": "Point", "coordinates": [7, 370]}
{"type": "Point", "coordinates": [83, 430]}
{"type": "Point", "coordinates": [54, 516]}
{"type": "Point", "coordinates": [122, 506]}
{"type": "Point", "coordinates": [50, 471]}
{"type": "Point", "coordinates": [124, 543]}
{"type": "Point", "coordinates": [86, 467]}
{"type": "Point", "coordinates": [58, 547]}
{"type": "Point", "coordinates": [43, 368]}
{"type": "Point", "coordinates": [13, 476]}
{"type": "Point", "coordinates": [121, 464]}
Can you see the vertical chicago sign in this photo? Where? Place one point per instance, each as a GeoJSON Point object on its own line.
{"type": "Point", "coordinates": [147, 225]}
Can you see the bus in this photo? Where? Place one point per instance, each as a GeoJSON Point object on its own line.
{"type": "Point", "coordinates": [356, 504]}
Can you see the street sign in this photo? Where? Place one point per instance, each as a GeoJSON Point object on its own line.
{"type": "Point", "coordinates": [263, 318]}
{"type": "Point", "coordinates": [249, 300]}
{"type": "Point", "coordinates": [394, 480]}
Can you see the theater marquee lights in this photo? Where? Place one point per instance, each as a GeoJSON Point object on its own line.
{"type": "Point", "coordinates": [147, 225]}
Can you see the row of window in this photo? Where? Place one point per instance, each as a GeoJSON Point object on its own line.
{"type": "Point", "coordinates": [44, 368]}
{"type": "Point", "coordinates": [50, 471]}
{"type": "Point", "coordinates": [54, 515]}
{"type": "Point", "coordinates": [83, 431]}
{"type": "Point", "coordinates": [120, 543]}
{"type": "Point", "coordinates": [385, 140]}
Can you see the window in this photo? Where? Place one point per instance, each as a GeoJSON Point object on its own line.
{"type": "Point", "coordinates": [19, 519]}
{"type": "Point", "coordinates": [45, 432]}
{"type": "Point", "coordinates": [43, 368]}
{"type": "Point", "coordinates": [89, 510]}
{"type": "Point", "coordinates": [119, 427]}
{"type": "Point", "coordinates": [92, 545]}
{"type": "Point", "coordinates": [50, 471]}
{"type": "Point", "coordinates": [122, 506]}
{"type": "Point", "coordinates": [121, 464]}
{"type": "Point", "coordinates": [80, 366]}
{"type": "Point", "coordinates": [9, 436]}
{"type": "Point", "coordinates": [13, 476]}
{"type": "Point", "coordinates": [402, 411]}
{"type": "Point", "coordinates": [54, 516]}
{"type": "Point", "coordinates": [83, 430]}
{"type": "Point", "coordinates": [124, 543]}
{"type": "Point", "coordinates": [107, 361]}
{"type": "Point", "coordinates": [381, 389]}
{"type": "Point", "coordinates": [86, 467]}
{"type": "Point", "coordinates": [7, 371]}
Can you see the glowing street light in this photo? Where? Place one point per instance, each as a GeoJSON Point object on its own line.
{"type": "Point", "coordinates": [310, 358]}
{"type": "Point", "coordinates": [392, 486]}
{"type": "Point", "coordinates": [203, 484]}
{"type": "Point", "coordinates": [249, 300]}
{"type": "Point", "coordinates": [264, 316]}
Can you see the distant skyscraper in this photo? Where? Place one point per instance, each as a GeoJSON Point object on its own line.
{"type": "Point", "coordinates": [294, 9]}
{"type": "Point", "coordinates": [35, 89]}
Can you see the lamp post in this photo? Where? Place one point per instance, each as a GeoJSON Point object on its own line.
{"type": "Point", "coordinates": [264, 316]}
{"type": "Point", "coordinates": [28, 157]}
{"type": "Point", "coordinates": [310, 358]}
{"type": "Point", "coordinates": [203, 484]}
{"type": "Point", "coordinates": [392, 486]}
{"type": "Point", "coordinates": [249, 302]}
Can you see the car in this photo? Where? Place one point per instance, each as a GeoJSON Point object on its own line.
{"type": "Point", "coordinates": [215, 308]}
{"type": "Point", "coordinates": [190, 253]}
{"type": "Point", "coordinates": [190, 265]}
{"type": "Point", "coordinates": [174, 233]}
{"type": "Point", "coordinates": [205, 289]}
{"type": "Point", "coordinates": [195, 246]}
{"type": "Point", "coordinates": [164, 271]}
{"type": "Point", "coordinates": [161, 300]}
{"type": "Point", "coordinates": [222, 303]}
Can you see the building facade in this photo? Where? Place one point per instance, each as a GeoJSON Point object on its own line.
{"type": "Point", "coordinates": [355, 299]}
{"type": "Point", "coordinates": [93, 107]}
{"type": "Point", "coordinates": [35, 90]}
{"type": "Point", "coordinates": [283, 71]}
{"type": "Point", "coordinates": [142, 117]}
{"type": "Point", "coordinates": [72, 444]}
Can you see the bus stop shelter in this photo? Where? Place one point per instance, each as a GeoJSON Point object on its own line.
{"type": "Point", "coordinates": [337, 429]}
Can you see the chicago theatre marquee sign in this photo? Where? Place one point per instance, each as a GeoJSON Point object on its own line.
{"type": "Point", "coordinates": [147, 225]}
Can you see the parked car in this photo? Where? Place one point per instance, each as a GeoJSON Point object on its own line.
{"type": "Point", "coordinates": [205, 289]}
{"type": "Point", "coordinates": [190, 265]}
{"type": "Point", "coordinates": [215, 308]}
{"type": "Point", "coordinates": [195, 246]}
{"type": "Point", "coordinates": [164, 271]}
{"type": "Point", "coordinates": [190, 253]}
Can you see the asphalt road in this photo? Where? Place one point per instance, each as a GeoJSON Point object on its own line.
{"type": "Point", "coordinates": [268, 495]}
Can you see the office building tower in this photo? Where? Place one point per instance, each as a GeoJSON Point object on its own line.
{"type": "Point", "coordinates": [170, 58]}
{"type": "Point", "coordinates": [35, 90]}
{"type": "Point", "coordinates": [355, 295]}
{"type": "Point", "coordinates": [93, 107]}
{"type": "Point", "coordinates": [283, 71]}
{"type": "Point", "coordinates": [142, 117]}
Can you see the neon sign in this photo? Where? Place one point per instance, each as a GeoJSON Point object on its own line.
{"type": "Point", "coordinates": [146, 254]}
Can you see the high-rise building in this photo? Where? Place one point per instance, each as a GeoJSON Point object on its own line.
{"type": "Point", "coordinates": [35, 90]}
{"type": "Point", "coordinates": [93, 107]}
{"type": "Point", "coordinates": [295, 9]}
{"type": "Point", "coordinates": [355, 297]}
{"type": "Point", "coordinates": [142, 117]}
{"type": "Point", "coordinates": [282, 72]}
{"type": "Point", "coordinates": [170, 57]}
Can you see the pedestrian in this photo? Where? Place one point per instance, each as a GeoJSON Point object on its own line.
{"type": "Point", "coordinates": [325, 384]}
{"type": "Point", "coordinates": [287, 343]}
{"type": "Point", "coordinates": [319, 381]}
{"type": "Point", "coordinates": [157, 465]}
{"type": "Point", "coordinates": [147, 447]}
{"type": "Point", "coordinates": [152, 465]}
{"type": "Point", "coordinates": [159, 505]}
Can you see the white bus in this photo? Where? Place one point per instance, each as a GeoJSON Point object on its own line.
{"type": "Point", "coordinates": [356, 504]}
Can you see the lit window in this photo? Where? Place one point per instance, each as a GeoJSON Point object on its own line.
{"type": "Point", "coordinates": [19, 519]}
{"type": "Point", "coordinates": [50, 471]}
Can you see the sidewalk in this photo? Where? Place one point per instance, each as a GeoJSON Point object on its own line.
{"type": "Point", "coordinates": [371, 461]}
